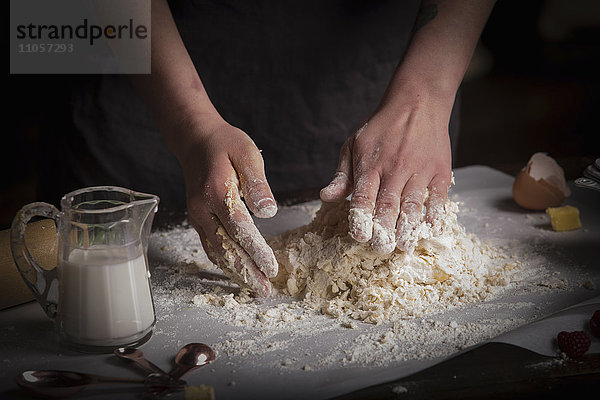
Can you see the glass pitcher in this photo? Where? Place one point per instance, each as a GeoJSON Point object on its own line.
{"type": "Point", "coordinates": [99, 294]}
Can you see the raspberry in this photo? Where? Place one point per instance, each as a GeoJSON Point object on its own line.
{"type": "Point", "coordinates": [595, 324]}
{"type": "Point", "coordinates": [573, 344]}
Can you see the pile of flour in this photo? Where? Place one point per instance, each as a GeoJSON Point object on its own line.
{"type": "Point", "coordinates": [331, 272]}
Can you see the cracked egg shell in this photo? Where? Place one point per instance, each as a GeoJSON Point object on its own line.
{"type": "Point", "coordinates": [540, 184]}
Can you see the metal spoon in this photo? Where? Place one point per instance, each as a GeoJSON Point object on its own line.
{"type": "Point", "coordinates": [587, 183]}
{"type": "Point", "coordinates": [137, 356]}
{"type": "Point", "coordinates": [50, 383]}
{"type": "Point", "coordinates": [591, 176]}
{"type": "Point", "coordinates": [190, 357]}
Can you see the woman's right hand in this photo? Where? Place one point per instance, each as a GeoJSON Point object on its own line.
{"type": "Point", "coordinates": [218, 163]}
{"type": "Point", "coordinates": [218, 160]}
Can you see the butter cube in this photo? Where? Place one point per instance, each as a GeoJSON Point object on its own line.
{"type": "Point", "coordinates": [565, 218]}
{"type": "Point", "coordinates": [200, 392]}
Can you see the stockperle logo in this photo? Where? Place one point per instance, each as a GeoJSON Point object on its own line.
{"type": "Point", "coordinates": [80, 36]}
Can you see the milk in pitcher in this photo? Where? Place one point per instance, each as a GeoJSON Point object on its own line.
{"type": "Point", "coordinates": [105, 295]}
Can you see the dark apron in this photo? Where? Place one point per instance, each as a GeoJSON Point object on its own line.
{"type": "Point", "coordinates": [297, 76]}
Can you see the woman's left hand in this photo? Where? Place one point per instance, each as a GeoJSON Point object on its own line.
{"type": "Point", "coordinates": [388, 165]}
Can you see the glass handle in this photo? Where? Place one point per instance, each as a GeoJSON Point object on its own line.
{"type": "Point", "coordinates": [43, 283]}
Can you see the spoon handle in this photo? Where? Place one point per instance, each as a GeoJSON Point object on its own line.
{"type": "Point", "coordinates": [95, 379]}
{"type": "Point", "coordinates": [136, 356]}
{"type": "Point", "coordinates": [179, 370]}
{"type": "Point", "coordinates": [149, 366]}
{"type": "Point", "coordinates": [154, 380]}
{"type": "Point", "coordinates": [175, 374]}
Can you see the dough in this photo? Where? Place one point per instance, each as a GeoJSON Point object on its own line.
{"type": "Point", "coordinates": [329, 270]}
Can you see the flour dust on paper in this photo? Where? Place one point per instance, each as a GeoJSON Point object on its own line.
{"type": "Point", "coordinates": [327, 270]}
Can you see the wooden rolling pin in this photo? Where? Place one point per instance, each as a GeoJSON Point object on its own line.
{"type": "Point", "coordinates": [42, 242]}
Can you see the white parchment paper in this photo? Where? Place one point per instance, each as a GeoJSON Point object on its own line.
{"type": "Point", "coordinates": [28, 341]}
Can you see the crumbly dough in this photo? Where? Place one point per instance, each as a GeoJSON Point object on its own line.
{"type": "Point", "coordinates": [237, 265]}
{"type": "Point", "coordinates": [331, 271]}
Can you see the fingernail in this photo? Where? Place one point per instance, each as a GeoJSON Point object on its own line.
{"type": "Point", "coordinates": [326, 191]}
{"type": "Point", "coordinates": [360, 225]}
{"type": "Point", "coordinates": [266, 261]}
{"type": "Point", "coordinates": [335, 186]}
{"type": "Point", "coordinates": [266, 208]}
{"type": "Point", "coordinates": [264, 290]}
{"type": "Point", "coordinates": [270, 268]}
{"type": "Point", "coordinates": [383, 239]}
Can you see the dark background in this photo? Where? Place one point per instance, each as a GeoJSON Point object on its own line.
{"type": "Point", "coordinates": [533, 85]}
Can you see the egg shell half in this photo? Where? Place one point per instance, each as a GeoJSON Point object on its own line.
{"type": "Point", "coordinates": [535, 194]}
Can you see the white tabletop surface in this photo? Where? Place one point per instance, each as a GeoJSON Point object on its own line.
{"type": "Point", "coordinates": [28, 341]}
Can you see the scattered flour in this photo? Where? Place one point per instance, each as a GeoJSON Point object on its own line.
{"type": "Point", "coordinates": [336, 303]}
{"type": "Point", "coordinates": [399, 389]}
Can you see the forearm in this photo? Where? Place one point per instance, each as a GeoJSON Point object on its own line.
{"type": "Point", "coordinates": [173, 91]}
{"type": "Point", "coordinates": [444, 39]}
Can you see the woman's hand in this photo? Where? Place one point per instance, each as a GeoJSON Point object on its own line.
{"type": "Point", "coordinates": [220, 163]}
{"type": "Point", "coordinates": [404, 148]}
{"type": "Point", "coordinates": [389, 163]}
{"type": "Point", "coordinates": [218, 160]}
